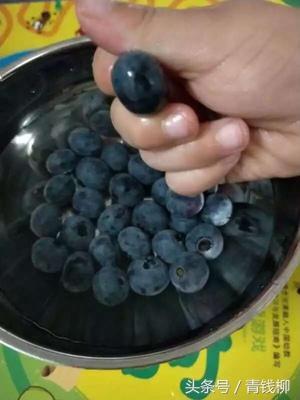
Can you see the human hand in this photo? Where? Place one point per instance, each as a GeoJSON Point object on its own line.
{"type": "Point", "coordinates": [241, 59]}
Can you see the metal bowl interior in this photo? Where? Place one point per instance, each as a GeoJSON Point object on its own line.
{"type": "Point", "coordinates": [38, 317]}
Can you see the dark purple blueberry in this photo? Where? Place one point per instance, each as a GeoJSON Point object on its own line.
{"type": "Point", "coordinates": [126, 190]}
{"type": "Point", "coordinates": [113, 219]}
{"type": "Point", "coordinates": [84, 142]}
{"type": "Point", "coordinates": [115, 156]}
{"type": "Point", "coordinates": [183, 225]}
{"type": "Point", "coordinates": [150, 217]}
{"type": "Point", "coordinates": [184, 206]}
{"type": "Point", "coordinates": [139, 82]}
{"type": "Point", "coordinates": [110, 286]}
{"type": "Point", "coordinates": [59, 190]}
{"type": "Point", "coordinates": [88, 202]}
{"type": "Point", "coordinates": [167, 245]}
{"type": "Point", "coordinates": [134, 242]}
{"type": "Point", "coordinates": [93, 173]}
{"type": "Point", "coordinates": [159, 191]}
{"type": "Point", "coordinates": [77, 232]}
{"type": "Point", "coordinates": [205, 239]}
{"type": "Point", "coordinates": [217, 210]}
{"type": "Point", "coordinates": [141, 171]}
{"type": "Point", "coordinates": [148, 277]}
{"type": "Point", "coordinates": [189, 273]}
{"type": "Point", "coordinates": [61, 161]}
{"type": "Point", "coordinates": [104, 251]}
{"type": "Point", "coordinates": [48, 255]}
{"type": "Point", "coordinates": [78, 272]}
{"type": "Point", "coordinates": [46, 220]}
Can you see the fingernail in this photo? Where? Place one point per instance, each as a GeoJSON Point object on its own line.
{"type": "Point", "coordinates": [95, 8]}
{"type": "Point", "coordinates": [232, 136]}
{"type": "Point", "coordinates": [176, 126]}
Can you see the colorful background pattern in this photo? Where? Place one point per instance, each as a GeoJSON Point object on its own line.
{"type": "Point", "coordinates": [265, 350]}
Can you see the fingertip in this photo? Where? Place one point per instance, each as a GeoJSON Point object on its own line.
{"type": "Point", "coordinates": [102, 65]}
{"type": "Point", "coordinates": [179, 122]}
{"type": "Point", "coordinates": [232, 135]}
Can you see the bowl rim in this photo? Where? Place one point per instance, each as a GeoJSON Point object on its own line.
{"type": "Point", "coordinates": [153, 357]}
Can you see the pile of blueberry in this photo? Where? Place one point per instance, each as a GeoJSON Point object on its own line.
{"type": "Point", "coordinates": [105, 220]}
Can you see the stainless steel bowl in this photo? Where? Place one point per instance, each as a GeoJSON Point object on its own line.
{"type": "Point", "coordinates": [38, 318]}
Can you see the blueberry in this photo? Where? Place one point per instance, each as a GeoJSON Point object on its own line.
{"type": "Point", "coordinates": [252, 226]}
{"type": "Point", "coordinates": [126, 190]}
{"type": "Point", "coordinates": [100, 122]}
{"type": "Point", "coordinates": [93, 173]}
{"type": "Point", "coordinates": [148, 277]}
{"type": "Point", "coordinates": [116, 156]}
{"type": "Point", "coordinates": [113, 219]}
{"type": "Point", "coordinates": [183, 225]}
{"type": "Point", "coordinates": [110, 286]}
{"type": "Point", "coordinates": [46, 220]}
{"type": "Point", "coordinates": [141, 171]}
{"type": "Point", "coordinates": [134, 242]}
{"type": "Point", "coordinates": [139, 82]}
{"type": "Point", "coordinates": [88, 202]}
{"type": "Point", "coordinates": [159, 191]}
{"type": "Point", "coordinates": [77, 232]}
{"type": "Point", "coordinates": [184, 206]}
{"type": "Point", "coordinates": [189, 273]}
{"type": "Point", "coordinates": [61, 161]}
{"type": "Point", "coordinates": [33, 197]}
{"type": "Point", "coordinates": [78, 272]}
{"type": "Point", "coordinates": [85, 142]}
{"type": "Point", "coordinates": [103, 250]}
{"type": "Point", "coordinates": [167, 245]}
{"type": "Point", "coordinates": [59, 190]}
{"type": "Point", "coordinates": [48, 255]}
{"type": "Point", "coordinates": [150, 217]}
{"type": "Point", "coordinates": [205, 239]}
{"type": "Point", "coordinates": [217, 210]}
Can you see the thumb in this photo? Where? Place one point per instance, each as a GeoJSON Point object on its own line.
{"type": "Point", "coordinates": [118, 27]}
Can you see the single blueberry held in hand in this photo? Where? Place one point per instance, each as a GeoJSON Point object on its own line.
{"type": "Point", "coordinates": [159, 191]}
{"type": "Point", "coordinates": [110, 286]}
{"type": "Point", "coordinates": [139, 82]}
{"type": "Point", "coordinates": [134, 242]}
{"type": "Point", "coordinates": [46, 220]}
{"type": "Point", "coordinates": [33, 197]}
{"type": "Point", "coordinates": [205, 239]}
{"type": "Point", "coordinates": [59, 190]}
{"type": "Point", "coordinates": [184, 206]}
{"type": "Point", "coordinates": [77, 232]}
{"type": "Point", "coordinates": [126, 190]}
{"type": "Point", "coordinates": [167, 245]}
{"type": "Point", "coordinates": [93, 173]}
{"type": "Point", "coordinates": [217, 210]}
{"type": "Point", "coordinates": [181, 224]}
{"type": "Point", "coordinates": [150, 217]}
{"type": "Point", "coordinates": [189, 273]}
{"type": "Point", "coordinates": [113, 219]}
{"type": "Point", "coordinates": [48, 255]}
{"type": "Point", "coordinates": [85, 142]}
{"type": "Point", "coordinates": [141, 171]}
{"type": "Point", "coordinates": [78, 272]}
{"type": "Point", "coordinates": [115, 156]}
{"type": "Point", "coordinates": [148, 277]}
{"type": "Point", "coordinates": [104, 251]}
{"type": "Point", "coordinates": [88, 202]}
{"type": "Point", "coordinates": [61, 161]}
